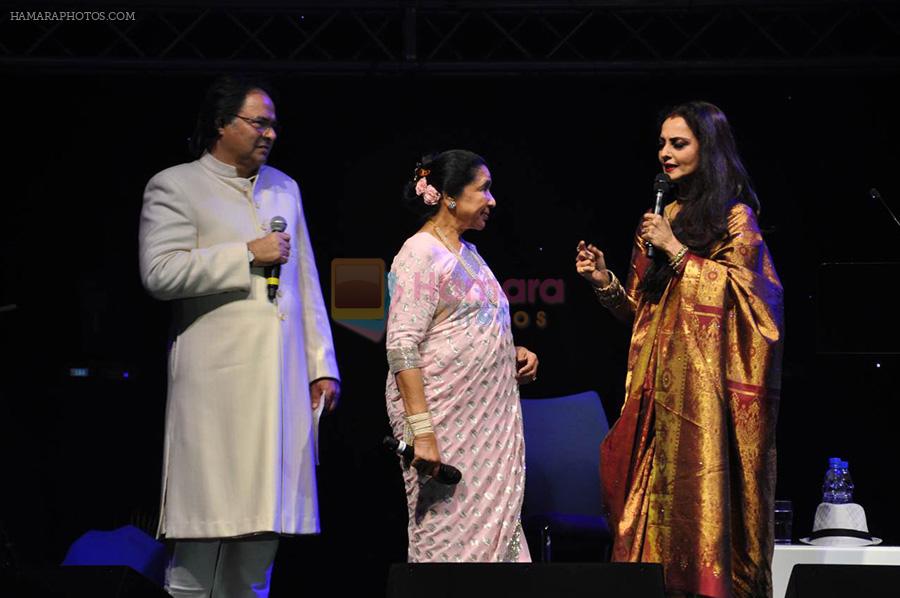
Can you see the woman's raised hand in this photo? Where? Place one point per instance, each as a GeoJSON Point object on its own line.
{"type": "Point", "coordinates": [589, 262]}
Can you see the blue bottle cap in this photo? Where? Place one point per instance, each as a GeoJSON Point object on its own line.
{"type": "Point", "coordinates": [834, 461]}
{"type": "Point", "coordinates": [844, 464]}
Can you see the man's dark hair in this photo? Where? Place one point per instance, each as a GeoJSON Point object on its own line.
{"type": "Point", "coordinates": [223, 100]}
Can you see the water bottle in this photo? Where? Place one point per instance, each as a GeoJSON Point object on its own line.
{"type": "Point", "coordinates": [846, 492]}
{"type": "Point", "coordinates": [832, 485]}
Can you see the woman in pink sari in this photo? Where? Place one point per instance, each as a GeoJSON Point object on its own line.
{"type": "Point", "coordinates": [452, 390]}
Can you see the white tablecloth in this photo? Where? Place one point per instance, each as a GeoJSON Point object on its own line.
{"type": "Point", "coordinates": [788, 555]}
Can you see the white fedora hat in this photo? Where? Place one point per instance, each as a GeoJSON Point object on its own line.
{"type": "Point", "coordinates": [840, 525]}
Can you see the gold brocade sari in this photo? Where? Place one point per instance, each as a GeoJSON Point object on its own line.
{"type": "Point", "coordinates": [688, 469]}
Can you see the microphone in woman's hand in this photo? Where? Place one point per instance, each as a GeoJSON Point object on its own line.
{"type": "Point", "coordinates": [446, 474]}
{"type": "Point", "coordinates": [661, 185]}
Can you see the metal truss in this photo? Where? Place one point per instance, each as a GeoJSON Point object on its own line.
{"type": "Point", "coordinates": [470, 38]}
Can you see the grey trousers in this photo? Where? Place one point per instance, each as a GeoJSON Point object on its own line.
{"type": "Point", "coordinates": [227, 568]}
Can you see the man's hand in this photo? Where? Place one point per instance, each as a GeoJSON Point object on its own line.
{"type": "Point", "coordinates": [274, 248]}
{"type": "Point", "coordinates": [330, 388]}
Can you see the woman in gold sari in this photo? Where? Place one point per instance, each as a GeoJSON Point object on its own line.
{"type": "Point", "coordinates": [688, 469]}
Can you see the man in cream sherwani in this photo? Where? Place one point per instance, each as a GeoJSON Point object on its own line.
{"type": "Point", "coordinates": [245, 373]}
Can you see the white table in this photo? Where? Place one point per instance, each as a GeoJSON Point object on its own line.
{"type": "Point", "coordinates": [788, 555]}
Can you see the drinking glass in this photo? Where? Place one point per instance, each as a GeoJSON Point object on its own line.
{"type": "Point", "coordinates": [784, 517]}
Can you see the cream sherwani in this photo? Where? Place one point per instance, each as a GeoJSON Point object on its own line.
{"type": "Point", "coordinates": [238, 444]}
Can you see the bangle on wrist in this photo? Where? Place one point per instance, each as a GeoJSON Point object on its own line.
{"type": "Point", "coordinates": [419, 424]}
{"type": "Point", "coordinates": [606, 287]}
{"type": "Point", "coordinates": [678, 258]}
{"type": "Point", "coordinates": [612, 294]}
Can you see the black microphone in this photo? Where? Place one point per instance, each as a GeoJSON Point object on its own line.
{"type": "Point", "coordinates": [277, 225]}
{"type": "Point", "coordinates": [661, 185]}
{"type": "Point", "coordinates": [446, 474]}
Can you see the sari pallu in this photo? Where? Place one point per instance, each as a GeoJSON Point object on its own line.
{"type": "Point", "coordinates": [689, 468]}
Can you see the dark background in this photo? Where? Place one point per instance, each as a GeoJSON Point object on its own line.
{"type": "Point", "coordinates": [572, 157]}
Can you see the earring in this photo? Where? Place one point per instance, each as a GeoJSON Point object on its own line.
{"type": "Point", "coordinates": [452, 204]}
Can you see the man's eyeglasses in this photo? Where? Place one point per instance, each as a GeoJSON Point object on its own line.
{"type": "Point", "coordinates": [261, 124]}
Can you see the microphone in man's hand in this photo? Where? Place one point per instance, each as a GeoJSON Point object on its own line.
{"type": "Point", "coordinates": [446, 474]}
{"type": "Point", "coordinates": [277, 225]}
{"type": "Point", "coordinates": [661, 185]}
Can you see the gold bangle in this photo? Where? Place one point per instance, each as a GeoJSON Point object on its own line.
{"type": "Point", "coordinates": [679, 257]}
{"type": "Point", "coordinates": [612, 280]}
{"type": "Point", "coordinates": [419, 424]}
{"type": "Point", "coordinates": [612, 294]}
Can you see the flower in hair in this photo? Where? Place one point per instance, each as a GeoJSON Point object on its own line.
{"type": "Point", "coordinates": [427, 192]}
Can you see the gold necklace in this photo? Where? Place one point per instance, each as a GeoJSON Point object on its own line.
{"type": "Point", "coordinates": [494, 300]}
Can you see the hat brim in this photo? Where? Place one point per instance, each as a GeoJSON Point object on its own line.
{"type": "Point", "coordinates": [841, 541]}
